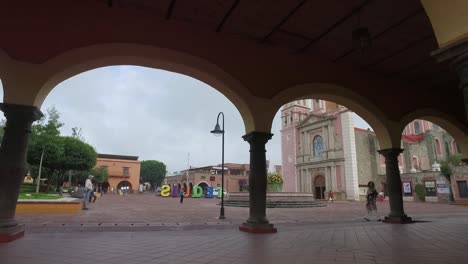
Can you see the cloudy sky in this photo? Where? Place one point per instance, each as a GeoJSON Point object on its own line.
{"type": "Point", "coordinates": [155, 114]}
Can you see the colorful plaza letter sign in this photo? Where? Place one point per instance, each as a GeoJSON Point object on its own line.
{"type": "Point", "coordinates": [209, 192]}
{"type": "Point", "coordinates": [166, 190]}
{"type": "Point", "coordinates": [197, 192]}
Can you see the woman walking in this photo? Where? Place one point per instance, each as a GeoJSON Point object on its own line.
{"type": "Point", "coordinates": [371, 206]}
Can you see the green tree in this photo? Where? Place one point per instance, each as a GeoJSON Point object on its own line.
{"type": "Point", "coordinates": [152, 171]}
{"type": "Point", "coordinates": [100, 174]}
{"type": "Point", "coordinates": [420, 191]}
{"type": "Point", "coordinates": [61, 154]}
{"type": "Point", "coordinates": [76, 155]}
{"type": "Point", "coordinates": [446, 170]}
{"type": "Point", "coordinates": [45, 139]}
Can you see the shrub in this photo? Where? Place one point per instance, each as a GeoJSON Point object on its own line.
{"type": "Point", "coordinates": [274, 178]}
{"type": "Point", "coordinates": [420, 192]}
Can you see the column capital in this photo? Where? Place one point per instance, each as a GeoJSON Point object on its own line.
{"type": "Point", "coordinates": [254, 137]}
{"type": "Point", "coordinates": [21, 112]}
{"type": "Point", "coordinates": [390, 152]}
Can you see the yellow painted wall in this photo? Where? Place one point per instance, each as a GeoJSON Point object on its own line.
{"type": "Point", "coordinates": [449, 19]}
{"type": "Point", "coordinates": [48, 208]}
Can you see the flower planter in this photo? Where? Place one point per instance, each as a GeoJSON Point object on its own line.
{"type": "Point", "coordinates": [275, 187]}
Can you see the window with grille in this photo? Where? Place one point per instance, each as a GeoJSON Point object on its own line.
{"type": "Point", "coordinates": [126, 171]}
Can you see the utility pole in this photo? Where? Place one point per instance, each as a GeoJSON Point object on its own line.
{"type": "Point", "coordinates": [188, 168]}
{"type": "Point", "coordinates": [69, 181]}
{"type": "Point", "coordinates": [39, 174]}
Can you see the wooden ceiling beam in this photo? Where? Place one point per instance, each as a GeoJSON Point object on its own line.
{"type": "Point", "coordinates": [227, 15]}
{"type": "Point", "coordinates": [386, 30]}
{"type": "Point", "coordinates": [334, 25]}
{"type": "Point", "coordinates": [170, 9]}
{"type": "Point", "coordinates": [395, 53]}
{"type": "Point", "coordinates": [284, 20]}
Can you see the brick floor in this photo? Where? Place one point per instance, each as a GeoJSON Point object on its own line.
{"type": "Point", "coordinates": [163, 233]}
{"type": "Point", "coordinates": [148, 209]}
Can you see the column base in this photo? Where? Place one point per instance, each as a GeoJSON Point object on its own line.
{"type": "Point", "coordinates": [8, 234]}
{"type": "Point", "coordinates": [403, 219]}
{"type": "Point", "coordinates": [257, 228]}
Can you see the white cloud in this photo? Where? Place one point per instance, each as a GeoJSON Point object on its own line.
{"type": "Point", "coordinates": [150, 113]}
{"type": "Point", "coordinates": [155, 114]}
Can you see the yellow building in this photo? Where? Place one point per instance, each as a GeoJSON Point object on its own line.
{"type": "Point", "coordinates": [123, 170]}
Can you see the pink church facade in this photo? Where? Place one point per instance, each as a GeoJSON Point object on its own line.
{"type": "Point", "coordinates": [323, 151]}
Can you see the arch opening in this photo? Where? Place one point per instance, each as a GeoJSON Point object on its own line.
{"type": "Point", "coordinates": [88, 58]}
{"type": "Point", "coordinates": [319, 187]}
{"type": "Point", "coordinates": [320, 137]}
{"type": "Point", "coordinates": [432, 159]}
{"type": "Point", "coordinates": [324, 92]}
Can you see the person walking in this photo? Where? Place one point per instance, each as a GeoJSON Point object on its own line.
{"type": "Point", "coordinates": [382, 197]}
{"type": "Point", "coordinates": [371, 206]}
{"type": "Point", "coordinates": [182, 193]}
{"type": "Point", "coordinates": [88, 190]}
{"type": "Point", "coordinates": [331, 196]}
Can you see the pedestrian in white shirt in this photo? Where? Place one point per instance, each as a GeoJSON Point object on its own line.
{"type": "Point", "coordinates": [88, 190]}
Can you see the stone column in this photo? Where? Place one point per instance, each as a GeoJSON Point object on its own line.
{"type": "Point", "coordinates": [13, 153]}
{"type": "Point", "coordinates": [257, 221]}
{"type": "Point", "coordinates": [392, 171]}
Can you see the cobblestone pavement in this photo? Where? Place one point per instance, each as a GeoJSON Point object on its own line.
{"type": "Point", "coordinates": [147, 229]}
{"type": "Point", "coordinates": [145, 209]}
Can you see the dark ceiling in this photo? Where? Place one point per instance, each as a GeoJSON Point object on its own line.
{"type": "Point", "coordinates": [401, 33]}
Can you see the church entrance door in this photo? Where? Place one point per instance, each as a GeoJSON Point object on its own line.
{"type": "Point", "coordinates": [319, 184]}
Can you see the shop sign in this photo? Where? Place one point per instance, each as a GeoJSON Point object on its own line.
{"type": "Point", "coordinates": [442, 187]}
{"type": "Point", "coordinates": [407, 187]}
{"type": "Point", "coordinates": [429, 184]}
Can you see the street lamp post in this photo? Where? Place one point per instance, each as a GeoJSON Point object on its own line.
{"type": "Point", "coordinates": [217, 132]}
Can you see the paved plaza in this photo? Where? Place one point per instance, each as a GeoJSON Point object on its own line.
{"type": "Point", "coordinates": [149, 229]}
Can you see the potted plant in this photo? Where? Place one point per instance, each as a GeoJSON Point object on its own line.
{"type": "Point", "coordinates": [275, 182]}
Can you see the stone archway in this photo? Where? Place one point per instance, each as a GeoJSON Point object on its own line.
{"type": "Point", "coordinates": [204, 186]}
{"type": "Point", "coordinates": [457, 130]}
{"type": "Point", "coordinates": [319, 187]}
{"type": "Point", "coordinates": [123, 185]}
{"type": "Point", "coordinates": [346, 97]}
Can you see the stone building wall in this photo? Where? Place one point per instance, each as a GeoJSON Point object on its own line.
{"type": "Point", "coordinates": [459, 174]}
{"type": "Point", "coordinates": [419, 150]}
{"type": "Point", "coordinates": [231, 182]}
{"type": "Point", "coordinates": [367, 156]}
{"type": "Point", "coordinates": [441, 185]}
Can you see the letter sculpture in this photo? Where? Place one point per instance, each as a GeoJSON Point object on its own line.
{"type": "Point", "coordinates": [165, 190]}
{"type": "Point", "coordinates": [197, 192]}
